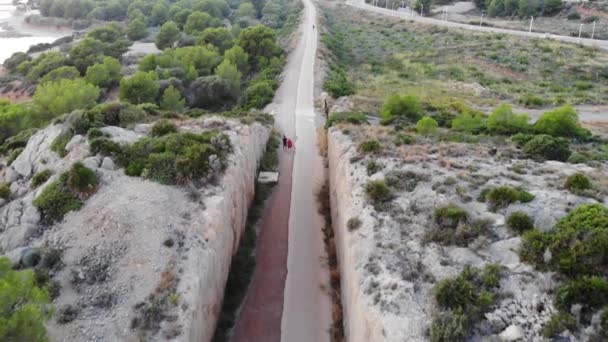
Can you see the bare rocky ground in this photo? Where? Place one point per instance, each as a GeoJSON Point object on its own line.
{"type": "Point", "coordinates": [389, 267]}
{"type": "Point", "coordinates": [134, 241]}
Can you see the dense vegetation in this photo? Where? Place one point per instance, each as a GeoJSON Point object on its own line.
{"type": "Point", "coordinates": [579, 252]}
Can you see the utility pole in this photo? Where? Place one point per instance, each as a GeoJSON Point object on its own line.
{"type": "Point", "coordinates": [421, 8]}
{"type": "Point", "coordinates": [580, 30]}
{"type": "Point", "coordinates": [531, 22]}
{"type": "Point", "coordinates": [481, 20]}
{"type": "Point", "coordinates": [593, 30]}
{"type": "Point", "coordinates": [446, 14]}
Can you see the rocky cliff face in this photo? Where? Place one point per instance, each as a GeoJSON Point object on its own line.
{"type": "Point", "coordinates": [389, 267]}
{"type": "Point", "coordinates": [134, 239]}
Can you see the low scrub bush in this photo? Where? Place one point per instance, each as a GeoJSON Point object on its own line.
{"type": "Point", "coordinates": [66, 194]}
{"type": "Point", "coordinates": [426, 126]}
{"type": "Point", "coordinates": [176, 158]}
{"type": "Point", "coordinates": [5, 191]}
{"type": "Point", "coordinates": [60, 142]}
{"type": "Point", "coordinates": [378, 192]}
{"type": "Point", "coordinates": [337, 83]}
{"type": "Point", "coordinates": [450, 216]}
{"type": "Point", "coordinates": [573, 16]}
{"type": "Point", "coordinates": [578, 158]}
{"type": "Point", "coordinates": [373, 167]}
{"type": "Point", "coordinates": [356, 118]}
{"type": "Point", "coordinates": [369, 146]}
{"type": "Point", "coordinates": [403, 180]}
{"type": "Point", "coordinates": [163, 127]}
{"type": "Point", "coordinates": [590, 291]}
{"type": "Point", "coordinates": [453, 226]}
{"type": "Point", "coordinates": [578, 243]}
{"type": "Point", "coordinates": [500, 197]}
{"type": "Point", "coordinates": [464, 300]}
{"type": "Point", "coordinates": [41, 177]}
{"type": "Point", "coordinates": [13, 155]}
{"type": "Point", "coordinates": [577, 182]}
{"type": "Point", "coordinates": [532, 101]}
{"type": "Point", "coordinates": [519, 222]}
{"type": "Point", "coordinates": [561, 122]}
{"type": "Point", "coordinates": [559, 322]}
{"type": "Point", "coordinates": [403, 139]}
{"type": "Point", "coordinates": [546, 147]}
{"type": "Point", "coordinates": [469, 123]}
{"type": "Point", "coordinates": [401, 109]}
{"type": "Point", "coordinates": [504, 121]}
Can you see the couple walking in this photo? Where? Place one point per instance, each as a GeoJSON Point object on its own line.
{"type": "Point", "coordinates": [287, 143]}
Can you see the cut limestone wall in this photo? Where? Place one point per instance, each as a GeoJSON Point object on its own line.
{"type": "Point", "coordinates": [389, 267]}
{"type": "Point", "coordinates": [135, 237]}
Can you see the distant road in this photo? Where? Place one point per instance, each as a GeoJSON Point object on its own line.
{"type": "Point", "coordinates": [602, 44]}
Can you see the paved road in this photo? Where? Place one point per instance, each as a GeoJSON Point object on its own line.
{"type": "Point", "coordinates": [306, 310]}
{"type": "Point", "coordinates": [602, 44]}
{"type": "Point", "coordinates": [285, 301]}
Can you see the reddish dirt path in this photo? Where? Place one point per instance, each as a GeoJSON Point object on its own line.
{"type": "Point", "coordinates": [260, 318]}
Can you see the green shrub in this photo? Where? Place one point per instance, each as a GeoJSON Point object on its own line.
{"type": "Point", "coordinates": [402, 180]}
{"type": "Point", "coordinates": [450, 326]}
{"type": "Point", "coordinates": [403, 139]}
{"type": "Point", "coordinates": [402, 109]}
{"type": "Point", "coordinates": [5, 191]}
{"type": "Point", "coordinates": [469, 123]}
{"type": "Point", "coordinates": [465, 299]}
{"type": "Point", "coordinates": [573, 16]}
{"type": "Point", "coordinates": [578, 243]}
{"type": "Point", "coordinates": [504, 121]}
{"type": "Point", "coordinates": [16, 141]}
{"type": "Point", "coordinates": [25, 305]}
{"type": "Point", "coordinates": [500, 197]}
{"type": "Point", "coordinates": [534, 245]}
{"type": "Point", "coordinates": [14, 155]}
{"type": "Point", "coordinates": [559, 322]}
{"type": "Point", "coordinates": [590, 19]}
{"type": "Point", "coordinates": [521, 139]}
{"type": "Point", "coordinates": [114, 114]}
{"type": "Point", "coordinates": [450, 216]}
{"type": "Point", "coordinates": [577, 182]}
{"type": "Point", "coordinates": [163, 127]}
{"type": "Point", "coordinates": [60, 142]}
{"type": "Point", "coordinates": [561, 122]}
{"type": "Point", "coordinates": [41, 177]}
{"type": "Point", "coordinates": [56, 200]}
{"type": "Point", "coordinates": [66, 194]}
{"type": "Point", "coordinates": [546, 147]}
{"type": "Point", "coordinates": [94, 133]}
{"type": "Point", "coordinates": [426, 126]}
{"type": "Point", "coordinates": [258, 95]}
{"type": "Point", "coordinates": [590, 291]}
{"type": "Point", "coordinates": [532, 101]}
{"type": "Point", "coordinates": [105, 147]}
{"type": "Point", "coordinates": [578, 158]}
{"type": "Point", "coordinates": [81, 179]}
{"type": "Point", "coordinates": [377, 191]}
{"type": "Point", "coordinates": [369, 146]}
{"type": "Point", "coordinates": [337, 83]}
{"type": "Point", "coordinates": [175, 158]}
{"type": "Point", "coordinates": [520, 222]}
{"type": "Point", "coordinates": [356, 118]}
{"type": "Point", "coordinates": [373, 167]}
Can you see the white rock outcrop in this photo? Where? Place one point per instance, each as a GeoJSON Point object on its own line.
{"type": "Point", "coordinates": [389, 268]}
{"type": "Point", "coordinates": [134, 236]}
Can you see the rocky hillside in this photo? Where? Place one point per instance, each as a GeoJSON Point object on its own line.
{"type": "Point", "coordinates": [144, 255]}
{"type": "Point", "coordinates": [428, 238]}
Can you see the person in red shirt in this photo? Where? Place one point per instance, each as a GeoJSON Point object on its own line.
{"type": "Point", "coordinates": [289, 144]}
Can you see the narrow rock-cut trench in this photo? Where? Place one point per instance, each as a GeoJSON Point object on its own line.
{"type": "Point", "coordinates": [287, 299]}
